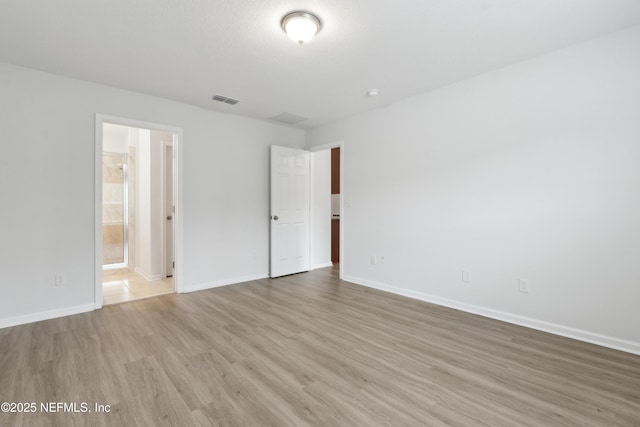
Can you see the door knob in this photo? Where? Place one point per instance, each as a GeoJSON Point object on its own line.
{"type": "Point", "coordinates": [169, 217]}
{"type": "Point", "coordinates": [276, 218]}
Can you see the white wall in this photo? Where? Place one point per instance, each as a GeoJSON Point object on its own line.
{"type": "Point", "coordinates": [143, 201]}
{"type": "Point", "coordinates": [531, 171]}
{"type": "Point", "coordinates": [321, 209]}
{"type": "Point", "coordinates": [150, 213]}
{"type": "Point", "coordinates": [149, 205]}
{"type": "Point", "coordinates": [47, 183]}
{"type": "Point", "coordinates": [115, 139]}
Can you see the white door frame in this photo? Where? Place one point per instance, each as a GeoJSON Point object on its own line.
{"type": "Point", "coordinates": [177, 191]}
{"type": "Point", "coordinates": [337, 144]}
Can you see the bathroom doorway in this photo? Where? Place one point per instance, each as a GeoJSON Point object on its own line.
{"type": "Point", "coordinates": [137, 210]}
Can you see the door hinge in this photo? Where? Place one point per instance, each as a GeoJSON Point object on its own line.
{"type": "Point", "coordinates": [174, 265]}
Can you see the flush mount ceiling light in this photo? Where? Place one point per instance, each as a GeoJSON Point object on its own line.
{"type": "Point", "coordinates": [301, 26]}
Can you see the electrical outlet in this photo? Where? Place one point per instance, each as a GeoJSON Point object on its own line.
{"type": "Point", "coordinates": [60, 280]}
{"type": "Point", "coordinates": [523, 286]}
{"type": "Point", "coordinates": [466, 278]}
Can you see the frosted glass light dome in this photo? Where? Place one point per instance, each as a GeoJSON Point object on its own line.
{"type": "Point", "coordinates": [301, 26]}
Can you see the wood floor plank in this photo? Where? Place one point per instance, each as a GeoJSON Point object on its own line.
{"type": "Point", "coordinates": [309, 350]}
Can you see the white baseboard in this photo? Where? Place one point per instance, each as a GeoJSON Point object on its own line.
{"type": "Point", "coordinates": [326, 264]}
{"type": "Point", "coordinates": [46, 315]}
{"type": "Point", "coordinates": [223, 282]}
{"type": "Point", "coordinates": [553, 328]}
{"type": "Point", "coordinates": [147, 276]}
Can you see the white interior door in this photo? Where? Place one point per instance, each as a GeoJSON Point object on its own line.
{"type": "Point", "coordinates": [168, 209]}
{"type": "Point", "coordinates": [290, 209]}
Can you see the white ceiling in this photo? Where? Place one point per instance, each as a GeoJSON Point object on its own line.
{"type": "Point", "coordinates": [191, 50]}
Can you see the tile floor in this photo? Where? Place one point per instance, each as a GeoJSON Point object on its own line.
{"type": "Point", "coordinates": [125, 286]}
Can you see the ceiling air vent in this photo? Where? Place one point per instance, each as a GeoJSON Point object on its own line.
{"type": "Point", "coordinates": [225, 99]}
{"type": "Point", "coordinates": [288, 118]}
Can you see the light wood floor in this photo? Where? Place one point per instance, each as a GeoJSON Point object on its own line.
{"type": "Point", "coordinates": [310, 350]}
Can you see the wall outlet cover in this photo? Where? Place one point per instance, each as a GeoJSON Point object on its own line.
{"type": "Point", "coordinates": [59, 280]}
{"type": "Point", "coordinates": [466, 277]}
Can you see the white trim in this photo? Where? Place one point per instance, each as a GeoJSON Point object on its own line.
{"type": "Point", "coordinates": [322, 147]}
{"type": "Point", "coordinates": [553, 328]}
{"type": "Point", "coordinates": [178, 192]}
{"type": "Point", "coordinates": [224, 282]}
{"type": "Point", "coordinates": [314, 148]}
{"type": "Point", "coordinates": [45, 315]}
{"type": "Point", "coordinates": [149, 277]}
{"type": "Point", "coordinates": [327, 264]}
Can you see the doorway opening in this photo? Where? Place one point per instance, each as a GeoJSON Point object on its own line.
{"type": "Point", "coordinates": [137, 206]}
{"type": "Point", "coordinates": [327, 199]}
{"type": "Point", "coordinates": [335, 205]}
